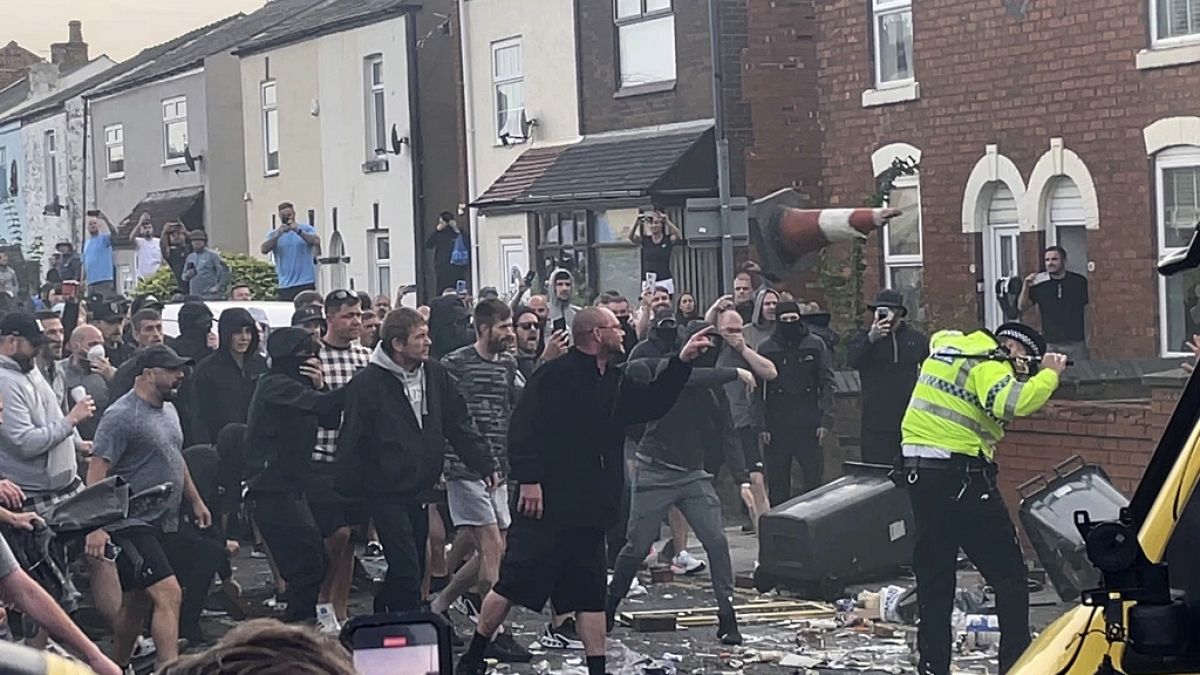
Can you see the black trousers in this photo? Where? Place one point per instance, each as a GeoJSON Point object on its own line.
{"type": "Point", "coordinates": [880, 447]}
{"type": "Point", "coordinates": [403, 529]}
{"type": "Point", "coordinates": [195, 557]}
{"type": "Point", "coordinates": [288, 527]}
{"type": "Point", "coordinates": [977, 522]}
{"type": "Point", "coordinates": [787, 445]}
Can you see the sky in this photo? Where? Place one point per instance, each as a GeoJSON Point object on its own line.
{"type": "Point", "coordinates": [119, 28]}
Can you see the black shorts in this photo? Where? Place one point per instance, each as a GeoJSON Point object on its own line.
{"type": "Point", "coordinates": [330, 510]}
{"type": "Point", "coordinates": [145, 557]}
{"type": "Point", "coordinates": [289, 294]}
{"type": "Point", "coordinates": [751, 449]}
{"type": "Point", "coordinates": [545, 562]}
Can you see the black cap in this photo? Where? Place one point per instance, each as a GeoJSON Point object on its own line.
{"type": "Point", "coordinates": [23, 324]}
{"type": "Point", "coordinates": [160, 356]}
{"type": "Point", "coordinates": [891, 299]}
{"type": "Point", "coordinates": [285, 342]}
{"type": "Point", "coordinates": [147, 301]}
{"type": "Point", "coordinates": [108, 312]}
{"type": "Point", "coordinates": [341, 297]}
{"type": "Point", "coordinates": [787, 307]}
{"type": "Point", "coordinates": [306, 314]}
{"type": "Point", "coordinates": [488, 293]}
{"type": "Point", "coordinates": [664, 316]}
{"type": "Point", "coordinates": [1034, 343]}
{"type": "Point", "coordinates": [197, 235]}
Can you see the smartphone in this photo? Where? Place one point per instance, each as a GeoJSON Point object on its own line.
{"type": "Point", "coordinates": [399, 642]}
{"type": "Point", "coordinates": [650, 281]}
{"type": "Point", "coordinates": [70, 288]}
{"type": "Point", "coordinates": [882, 313]}
{"type": "Point", "coordinates": [559, 324]}
{"type": "Point", "coordinates": [529, 278]}
{"type": "Point", "coordinates": [460, 287]}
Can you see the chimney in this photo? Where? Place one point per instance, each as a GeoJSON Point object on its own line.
{"type": "Point", "coordinates": [73, 53]}
{"type": "Point", "coordinates": [43, 78]}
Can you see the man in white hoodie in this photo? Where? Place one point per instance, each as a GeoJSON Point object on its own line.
{"type": "Point", "coordinates": [37, 442]}
{"type": "Point", "coordinates": [562, 313]}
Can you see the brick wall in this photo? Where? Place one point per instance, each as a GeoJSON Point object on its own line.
{"type": "Point", "coordinates": [1066, 71]}
{"type": "Point", "coordinates": [1119, 436]}
{"type": "Point", "coordinates": [14, 59]}
{"type": "Point", "coordinates": [690, 98]}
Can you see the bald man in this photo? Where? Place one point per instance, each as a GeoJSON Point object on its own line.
{"type": "Point", "coordinates": [540, 306]}
{"type": "Point", "coordinates": [92, 372]}
{"type": "Point", "coordinates": [566, 451]}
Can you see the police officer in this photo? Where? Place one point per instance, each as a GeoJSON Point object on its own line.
{"type": "Point", "coordinates": [969, 388]}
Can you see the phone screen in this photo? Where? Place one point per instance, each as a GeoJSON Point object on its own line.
{"type": "Point", "coordinates": [397, 648]}
{"type": "Point", "coordinates": [560, 324]}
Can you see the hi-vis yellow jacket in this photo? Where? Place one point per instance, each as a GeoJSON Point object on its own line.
{"type": "Point", "coordinates": [960, 405]}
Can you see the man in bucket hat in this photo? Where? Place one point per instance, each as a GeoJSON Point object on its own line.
{"type": "Point", "coordinates": [969, 388]}
{"type": "Point", "coordinates": [887, 357]}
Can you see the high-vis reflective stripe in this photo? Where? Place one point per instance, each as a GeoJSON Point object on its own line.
{"type": "Point", "coordinates": [961, 393]}
{"type": "Point", "coordinates": [953, 416]}
{"type": "Point", "coordinates": [995, 391]}
{"type": "Point", "coordinates": [1010, 404]}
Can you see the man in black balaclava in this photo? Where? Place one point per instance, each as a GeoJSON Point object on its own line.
{"type": "Point", "coordinates": [798, 403]}
{"type": "Point", "coordinates": [195, 324]}
{"type": "Point", "coordinates": [663, 339]}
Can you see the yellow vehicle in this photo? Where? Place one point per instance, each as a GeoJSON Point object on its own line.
{"type": "Point", "coordinates": [1145, 617]}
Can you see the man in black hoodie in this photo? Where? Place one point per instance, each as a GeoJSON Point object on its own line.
{"type": "Point", "coordinates": [449, 325]}
{"type": "Point", "coordinates": [798, 403]}
{"type": "Point", "coordinates": [669, 471]}
{"type": "Point", "coordinates": [888, 357]}
{"type": "Point", "coordinates": [281, 431]}
{"type": "Point", "coordinates": [195, 325]}
{"type": "Point", "coordinates": [401, 411]}
{"type": "Point", "coordinates": [223, 384]}
{"type": "Point", "coordinates": [566, 450]}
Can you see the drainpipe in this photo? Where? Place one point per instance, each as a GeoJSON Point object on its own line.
{"type": "Point", "coordinates": [469, 118]}
{"type": "Point", "coordinates": [87, 125]}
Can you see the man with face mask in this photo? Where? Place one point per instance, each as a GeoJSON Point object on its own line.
{"type": "Point", "coordinates": [798, 405]}
{"type": "Point", "coordinates": [80, 370]}
{"type": "Point", "coordinates": [37, 442]}
{"type": "Point", "coordinates": [487, 379]}
{"type": "Point", "coordinates": [669, 471]}
{"type": "Point", "coordinates": [968, 389]}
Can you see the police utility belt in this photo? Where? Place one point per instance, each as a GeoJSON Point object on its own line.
{"type": "Point", "coordinates": [907, 471]}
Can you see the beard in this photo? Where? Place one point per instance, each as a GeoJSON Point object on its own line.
{"type": "Point", "coordinates": [500, 345]}
{"type": "Point", "coordinates": [25, 363]}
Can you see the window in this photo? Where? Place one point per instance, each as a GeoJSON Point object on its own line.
{"type": "Point", "coordinates": [270, 129]}
{"type": "Point", "coordinates": [376, 119]}
{"type": "Point", "coordinates": [50, 150]}
{"type": "Point", "coordinates": [114, 150]}
{"type": "Point", "coordinates": [893, 28]}
{"type": "Point", "coordinates": [646, 40]}
{"type": "Point", "coordinates": [1175, 19]}
{"type": "Point", "coordinates": [1177, 178]}
{"type": "Point", "coordinates": [175, 132]}
{"type": "Point", "coordinates": [902, 245]}
{"type": "Point", "coordinates": [381, 264]}
{"type": "Point", "coordinates": [1066, 222]}
{"type": "Point", "coordinates": [562, 240]}
{"type": "Point", "coordinates": [508, 81]}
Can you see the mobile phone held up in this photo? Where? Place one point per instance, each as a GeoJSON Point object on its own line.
{"type": "Point", "coordinates": [559, 324]}
{"type": "Point", "coordinates": [460, 287]}
{"type": "Point", "coordinates": [399, 642]}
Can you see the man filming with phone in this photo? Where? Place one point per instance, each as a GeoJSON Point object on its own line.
{"type": "Point", "coordinates": [887, 357]}
{"type": "Point", "coordinates": [1062, 298]}
{"type": "Point", "coordinates": [295, 246]}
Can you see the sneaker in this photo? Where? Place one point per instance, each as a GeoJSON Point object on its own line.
{"type": "Point", "coordinates": [727, 630]}
{"type": "Point", "coordinates": [685, 563]}
{"type": "Point", "coordinates": [505, 649]}
{"type": "Point", "coordinates": [374, 550]}
{"type": "Point", "coordinates": [143, 648]}
{"type": "Point", "coordinates": [471, 668]}
{"type": "Point", "coordinates": [561, 637]}
{"type": "Point", "coordinates": [327, 622]}
{"type": "Point", "coordinates": [636, 589]}
{"type": "Point", "coordinates": [468, 605]}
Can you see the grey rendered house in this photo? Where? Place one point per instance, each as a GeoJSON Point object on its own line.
{"type": "Point", "coordinates": [177, 127]}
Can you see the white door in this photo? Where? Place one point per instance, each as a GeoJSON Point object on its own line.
{"type": "Point", "coordinates": [1066, 224]}
{"type": "Point", "coordinates": [512, 256]}
{"type": "Point", "coordinates": [1001, 250]}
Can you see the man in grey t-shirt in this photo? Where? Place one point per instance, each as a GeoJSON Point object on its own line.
{"type": "Point", "coordinates": [140, 440]}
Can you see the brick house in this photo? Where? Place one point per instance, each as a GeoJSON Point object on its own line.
{"type": "Point", "coordinates": [1034, 123]}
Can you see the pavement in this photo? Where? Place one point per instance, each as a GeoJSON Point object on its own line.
{"type": "Point", "coordinates": [827, 646]}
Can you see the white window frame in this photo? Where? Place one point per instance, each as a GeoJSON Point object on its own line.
{"type": "Point", "coordinates": [114, 137]}
{"type": "Point", "coordinates": [906, 260]}
{"type": "Point", "coordinates": [172, 118]}
{"type": "Point", "coordinates": [879, 9]}
{"type": "Point", "coordinates": [375, 107]}
{"type": "Point", "coordinates": [645, 14]}
{"type": "Point", "coordinates": [1178, 157]}
{"type": "Point", "coordinates": [378, 264]}
{"type": "Point", "coordinates": [499, 81]}
{"type": "Point", "coordinates": [50, 157]}
{"type": "Point", "coordinates": [270, 120]}
{"type": "Point", "coordinates": [1158, 42]}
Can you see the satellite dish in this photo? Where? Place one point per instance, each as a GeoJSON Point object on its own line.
{"type": "Point", "coordinates": [527, 125]}
{"type": "Point", "coordinates": [397, 142]}
{"type": "Point", "coordinates": [12, 181]}
{"type": "Point", "coordinates": [189, 159]}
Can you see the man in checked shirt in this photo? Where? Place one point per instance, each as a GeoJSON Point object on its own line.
{"type": "Point", "coordinates": [341, 359]}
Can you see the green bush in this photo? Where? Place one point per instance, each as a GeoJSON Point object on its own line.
{"type": "Point", "coordinates": [259, 275]}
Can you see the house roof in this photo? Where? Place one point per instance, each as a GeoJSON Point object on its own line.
{"type": "Point", "coordinates": [142, 59]}
{"type": "Point", "coordinates": [164, 206]}
{"type": "Point", "coordinates": [221, 38]}
{"type": "Point", "coordinates": [324, 18]}
{"type": "Point", "coordinates": [603, 167]}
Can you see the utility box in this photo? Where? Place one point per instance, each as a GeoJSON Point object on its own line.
{"type": "Point", "coordinates": [702, 219]}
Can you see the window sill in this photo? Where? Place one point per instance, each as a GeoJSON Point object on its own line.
{"type": "Point", "coordinates": [115, 176]}
{"type": "Point", "coordinates": [174, 162]}
{"type": "Point", "coordinates": [270, 174]}
{"type": "Point", "coordinates": [643, 89]}
{"type": "Point", "coordinates": [896, 93]}
{"type": "Point", "coordinates": [375, 166]}
{"type": "Point", "coordinates": [1166, 56]}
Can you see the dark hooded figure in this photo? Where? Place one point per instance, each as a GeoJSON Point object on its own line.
{"type": "Point", "coordinates": [664, 338]}
{"type": "Point", "coordinates": [195, 323]}
{"type": "Point", "coordinates": [223, 383]}
{"type": "Point", "coordinates": [449, 325]}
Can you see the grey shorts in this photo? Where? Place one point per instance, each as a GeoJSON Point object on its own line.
{"type": "Point", "coordinates": [471, 504]}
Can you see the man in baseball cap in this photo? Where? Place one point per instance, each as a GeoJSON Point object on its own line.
{"type": "Point", "coordinates": [311, 319]}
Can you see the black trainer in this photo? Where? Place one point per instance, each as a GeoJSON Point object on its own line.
{"type": "Point", "coordinates": [727, 629]}
{"type": "Point", "coordinates": [505, 649]}
{"type": "Point", "coordinates": [561, 637]}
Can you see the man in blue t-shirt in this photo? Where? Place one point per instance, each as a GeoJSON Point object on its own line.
{"type": "Point", "coordinates": [98, 256]}
{"type": "Point", "coordinates": [295, 246]}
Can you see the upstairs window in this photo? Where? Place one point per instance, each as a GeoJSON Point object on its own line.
{"type": "Point", "coordinates": [175, 132]}
{"type": "Point", "coordinates": [508, 84]}
{"type": "Point", "coordinates": [1175, 19]}
{"type": "Point", "coordinates": [114, 150]}
{"type": "Point", "coordinates": [270, 126]}
{"type": "Point", "coordinates": [646, 41]}
{"type": "Point", "coordinates": [50, 150]}
{"type": "Point", "coordinates": [376, 118]}
{"type": "Point", "coordinates": [893, 30]}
